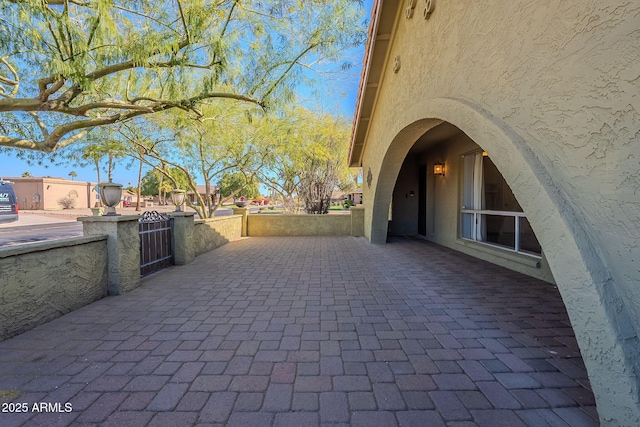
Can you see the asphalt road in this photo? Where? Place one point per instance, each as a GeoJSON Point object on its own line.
{"type": "Point", "coordinates": [11, 236]}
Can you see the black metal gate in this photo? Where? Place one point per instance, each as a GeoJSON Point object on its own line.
{"type": "Point", "coordinates": [156, 242]}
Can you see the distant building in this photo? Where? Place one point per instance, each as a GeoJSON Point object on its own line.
{"type": "Point", "coordinates": [202, 191]}
{"type": "Point", "coordinates": [355, 196]}
{"type": "Point", "coordinates": [45, 193]}
{"type": "Point", "coordinates": [337, 197]}
{"type": "Point", "coordinates": [129, 198]}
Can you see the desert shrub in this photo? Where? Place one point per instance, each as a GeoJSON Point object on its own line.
{"type": "Point", "coordinates": [66, 202]}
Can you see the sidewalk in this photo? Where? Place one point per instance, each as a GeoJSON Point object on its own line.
{"type": "Point", "coordinates": [309, 331]}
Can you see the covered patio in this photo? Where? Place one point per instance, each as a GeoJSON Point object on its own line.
{"type": "Point", "coordinates": [292, 331]}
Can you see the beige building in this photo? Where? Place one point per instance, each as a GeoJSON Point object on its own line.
{"type": "Point", "coordinates": [510, 130]}
{"type": "Point", "coordinates": [45, 193]}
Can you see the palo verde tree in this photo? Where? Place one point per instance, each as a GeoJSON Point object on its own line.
{"type": "Point", "coordinates": [69, 66]}
{"type": "Point", "coordinates": [325, 158]}
{"type": "Point", "coordinates": [236, 183]}
{"type": "Point", "coordinates": [100, 149]}
{"type": "Point", "coordinates": [308, 158]}
{"type": "Point", "coordinates": [226, 140]}
{"type": "Point", "coordinates": [155, 183]}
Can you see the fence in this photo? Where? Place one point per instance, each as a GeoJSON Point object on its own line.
{"type": "Point", "coordinates": [156, 242]}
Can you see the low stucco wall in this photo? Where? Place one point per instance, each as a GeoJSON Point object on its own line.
{"type": "Point", "coordinates": [262, 225]}
{"type": "Point", "coordinates": [211, 233]}
{"type": "Point", "coordinates": [42, 281]}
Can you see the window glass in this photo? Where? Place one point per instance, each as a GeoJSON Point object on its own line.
{"type": "Point", "coordinates": [497, 194]}
{"type": "Point", "coordinates": [484, 189]}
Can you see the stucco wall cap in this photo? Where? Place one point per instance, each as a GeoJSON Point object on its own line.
{"type": "Point", "coordinates": [121, 218]}
{"type": "Point", "coordinates": [45, 246]}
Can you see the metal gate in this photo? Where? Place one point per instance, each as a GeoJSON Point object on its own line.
{"type": "Point", "coordinates": [156, 242]}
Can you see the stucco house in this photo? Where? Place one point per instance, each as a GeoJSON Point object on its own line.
{"type": "Point", "coordinates": [510, 130]}
{"type": "Point", "coordinates": [355, 196]}
{"type": "Point", "coordinates": [202, 191]}
{"type": "Point", "coordinates": [44, 193]}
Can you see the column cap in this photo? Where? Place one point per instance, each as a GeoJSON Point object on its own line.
{"type": "Point", "coordinates": [109, 218]}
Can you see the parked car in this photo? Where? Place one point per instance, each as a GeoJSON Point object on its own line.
{"type": "Point", "coordinates": [8, 203]}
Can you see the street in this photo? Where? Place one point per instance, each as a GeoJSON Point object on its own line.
{"type": "Point", "coordinates": [10, 236]}
{"type": "Point", "coordinates": [33, 227]}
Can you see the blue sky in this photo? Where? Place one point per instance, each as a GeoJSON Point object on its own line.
{"type": "Point", "coordinates": [342, 100]}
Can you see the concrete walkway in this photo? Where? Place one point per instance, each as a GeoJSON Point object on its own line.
{"type": "Point", "coordinates": [308, 331]}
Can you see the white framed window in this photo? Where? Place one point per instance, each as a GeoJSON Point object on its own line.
{"type": "Point", "coordinates": [490, 212]}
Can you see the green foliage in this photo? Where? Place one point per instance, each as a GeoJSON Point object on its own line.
{"type": "Point", "coordinates": [239, 184]}
{"type": "Point", "coordinates": [228, 139]}
{"type": "Point", "coordinates": [70, 66]}
{"type": "Point", "coordinates": [156, 182]}
{"type": "Point", "coordinates": [308, 158]}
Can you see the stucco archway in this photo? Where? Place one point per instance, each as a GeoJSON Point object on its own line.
{"type": "Point", "coordinates": [601, 321]}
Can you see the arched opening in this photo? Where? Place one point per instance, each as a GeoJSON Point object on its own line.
{"type": "Point", "coordinates": [449, 191]}
{"type": "Point", "coordinates": [599, 316]}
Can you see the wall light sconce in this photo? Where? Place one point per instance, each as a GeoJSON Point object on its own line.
{"type": "Point", "coordinates": [485, 154]}
{"type": "Point", "coordinates": [438, 169]}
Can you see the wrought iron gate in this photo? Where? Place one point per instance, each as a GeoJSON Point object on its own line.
{"type": "Point", "coordinates": [156, 242]}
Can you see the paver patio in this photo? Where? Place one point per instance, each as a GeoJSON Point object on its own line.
{"type": "Point", "coordinates": [309, 331]}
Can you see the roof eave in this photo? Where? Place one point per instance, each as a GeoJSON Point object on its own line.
{"type": "Point", "coordinates": [378, 42]}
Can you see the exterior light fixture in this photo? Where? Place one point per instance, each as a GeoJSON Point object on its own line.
{"type": "Point", "coordinates": [485, 154]}
{"type": "Point", "coordinates": [177, 197]}
{"type": "Point", "coordinates": [111, 194]}
{"type": "Point", "coordinates": [438, 169]}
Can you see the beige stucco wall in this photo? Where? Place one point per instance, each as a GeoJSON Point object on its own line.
{"type": "Point", "coordinates": [42, 281]}
{"type": "Point", "coordinates": [211, 233]}
{"type": "Point", "coordinates": [123, 249]}
{"type": "Point", "coordinates": [50, 190]}
{"type": "Point", "coordinates": [261, 225]}
{"type": "Point", "coordinates": [551, 91]}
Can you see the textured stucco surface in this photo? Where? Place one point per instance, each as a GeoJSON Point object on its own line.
{"type": "Point", "coordinates": [552, 92]}
{"type": "Point", "coordinates": [195, 237]}
{"type": "Point", "coordinates": [357, 221]}
{"type": "Point", "coordinates": [209, 234]}
{"type": "Point", "coordinates": [39, 282]}
{"type": "Point", "coordinates": [261, 225]}
{"type": "Point", "coordinates": [123, 249]}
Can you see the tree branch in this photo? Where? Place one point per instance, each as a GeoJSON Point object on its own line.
{"type": "Point", "coordinates": [184, 21]}
{"type": "Point", "coordinates": [284, 74]}
{"type": "Point", "coordinates": [15, 83]}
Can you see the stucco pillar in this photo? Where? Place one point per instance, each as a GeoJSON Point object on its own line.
{"type": "Point", "coordinates": [183, 223]}
{"type": "Point", "coordinates": [245, 218]}
{"type": "Point", "coordinates": [123, 249]}
{"type": "Point", "coordinates": [357, 221]}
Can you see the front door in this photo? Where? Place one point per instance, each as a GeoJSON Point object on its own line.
{"type": "Point", "coordinates": [422, 200]}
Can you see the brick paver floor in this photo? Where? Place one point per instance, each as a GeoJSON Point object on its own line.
{"type": "Point", "coordinates": [308, 331]}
